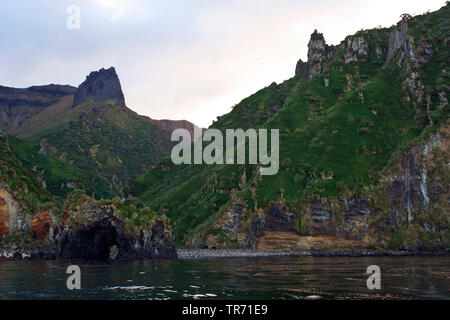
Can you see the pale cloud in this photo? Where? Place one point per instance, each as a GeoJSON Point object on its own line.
{"type": "Point", "coordinates": [189, 60]}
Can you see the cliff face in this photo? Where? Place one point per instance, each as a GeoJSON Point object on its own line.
{"type": "Point", "coordinates": [352, 50]}
{"type": "Point", "coordinates": [409, 190]}
{"type": "Point", "coordinates": [92, 231]}
{"type": "Point", "coordinates": [97, 232]}
{"type": "Point", "coordinates": [11, 217]}
{"type": "Point", "coordinates": [354, 113]}
{"type": "Point", "coordinates": [411, 204]}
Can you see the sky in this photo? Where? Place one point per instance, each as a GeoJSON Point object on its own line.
{"type": "Point", "coordinates": [179, 59]}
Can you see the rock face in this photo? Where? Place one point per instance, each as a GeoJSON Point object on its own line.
{"type": "Point", "coordinates": [399, 39]}
{"type": "Point", "coordinates": [254, 232]}
{"type": "Point", "coordinates": [317, 57]}
{"type": "Point", "coordinates": [279, 220]}
{"type": "Point", "coordinates": [410, 54]}
{"type": "Point", "coordinates": [275, 220]}
{"type": "Point", "coordinates": [352, 49]}
{"type": "Point", "coordinates": [234, 214]}
{"type": "Point", "coordinates": [408, 183]}
{"type": "Point", "coordinates": [11, 217]}
{"type": "Point", "coordinates": [4, 218]}
{"type": "Point", "coordinates": [322, 219]}
{"type": "Point", "coordinates": [41, 224]}
{"type": "Point", "coordinates": [356, 48]}
{"type": "Point", "coordinates": [356, 214]}
{"type": "Point", "coordinates": [98, 234]}
{"type": "Point", "coordinates": [317, 54]}
{"type": "Point", "coordinates": [101, 85]}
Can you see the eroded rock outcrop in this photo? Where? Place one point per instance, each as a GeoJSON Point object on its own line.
{"type": "Point", "coordinates": [400, 43]}
{"type": "Point", "coordinates": [408, 183]}
{"type": "Point", "coordinates": [90, 231]}
{"type": "Point", "coordinates": [41, 224]}
{"type": "Point", "coordinates": [322, 219]}
{"type": "Point", "coordinates": [254, 231]}
{"type": "Point", "coordinates": [4, 218]}
{"type": "Point", "coordinates": [95, 230]}
{"type": "Point", "coordinates": [410, 54]}
{"type": "Point", "coordinates": [234, 214]}
{"type": "Point", "coordinates": [353, 49]}
{"type": "Point", "coordinates": [11, 216]}
{"type": "Point", "coordinates": [279, 220]}
{"type": "Point", "coordinates": [317, 55]}
{"type": "Point", "coordinates": [101, 85]}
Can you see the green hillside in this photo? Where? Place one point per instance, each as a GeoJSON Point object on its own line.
{"type": "Point", "coordinates": [349, 114]}
{"type": "Point", "coordinates": [97, 145]}
{"type": "Point", "coordinates": [24, 185]}
{"type": "Point", "coordinates": [106, 140]}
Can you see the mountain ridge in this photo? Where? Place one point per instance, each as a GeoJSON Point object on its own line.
{"type": "Point", "coordinates": [89, 127]}
{"type": "Point", "coordinates": [364, 151]}
{"type": "Point", "coordinates": [350, 113]}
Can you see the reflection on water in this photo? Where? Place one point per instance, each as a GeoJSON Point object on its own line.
{"type": "Point", "coordinates": [256, 278]}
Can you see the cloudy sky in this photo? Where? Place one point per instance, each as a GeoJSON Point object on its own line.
{"type": "Point", "coordinates": [179, 59]}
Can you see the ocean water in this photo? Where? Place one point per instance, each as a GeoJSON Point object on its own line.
{"type": "Point", "coordinates": [230, 278]}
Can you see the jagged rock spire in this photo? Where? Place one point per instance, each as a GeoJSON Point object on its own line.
{"type": "Point", "coordinates": [317, 57]}
{"type": "Point", "coordinates": [101, 85]}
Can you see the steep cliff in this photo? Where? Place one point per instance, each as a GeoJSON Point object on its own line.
{"type": "Point", "coordinates": [103, 230]}
{"type": "Point", "coordinates": [351, 112]}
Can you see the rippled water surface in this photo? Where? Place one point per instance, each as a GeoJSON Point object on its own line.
{"type": "Point", "coordinates": [238, 278]}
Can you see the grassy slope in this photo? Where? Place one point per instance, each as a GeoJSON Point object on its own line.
{"type": "Point", "coordinates": [98, 146]}
{"type": "Point", "coordinates": [20, 182]}
{"type": "Point", "coordinates": [331, 139]}
{"type": "Point", "coordinates": [56, 172]}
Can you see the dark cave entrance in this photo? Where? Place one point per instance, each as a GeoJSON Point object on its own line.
{"type": "Point", "coordinates": [95, 243]}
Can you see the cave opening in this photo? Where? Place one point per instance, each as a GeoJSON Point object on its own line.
{"type": "Point", "coordinates": [96, 243]}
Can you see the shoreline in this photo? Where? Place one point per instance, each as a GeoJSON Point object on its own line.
{"type": "Point", "coordinates": [199, 254]}
{"type": "Point", "coordinates": [193, 254]}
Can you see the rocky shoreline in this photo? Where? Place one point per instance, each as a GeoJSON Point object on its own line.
{"type": "Point", "coordinates": [242, 253]}
{"type": "Point", "coordinates": [8, 254]}
{"type": "Point", "coordinates": [185, 254]}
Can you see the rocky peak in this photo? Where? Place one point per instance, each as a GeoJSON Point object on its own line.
{"type": "Point", "coordinates": [317, 54]}
{"type": "Point", "coordinates": [316, 46]}
{"type": "Point", "coordinates": [101, 85]}
{"type": "Point", "coordinates": [317, 57]}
